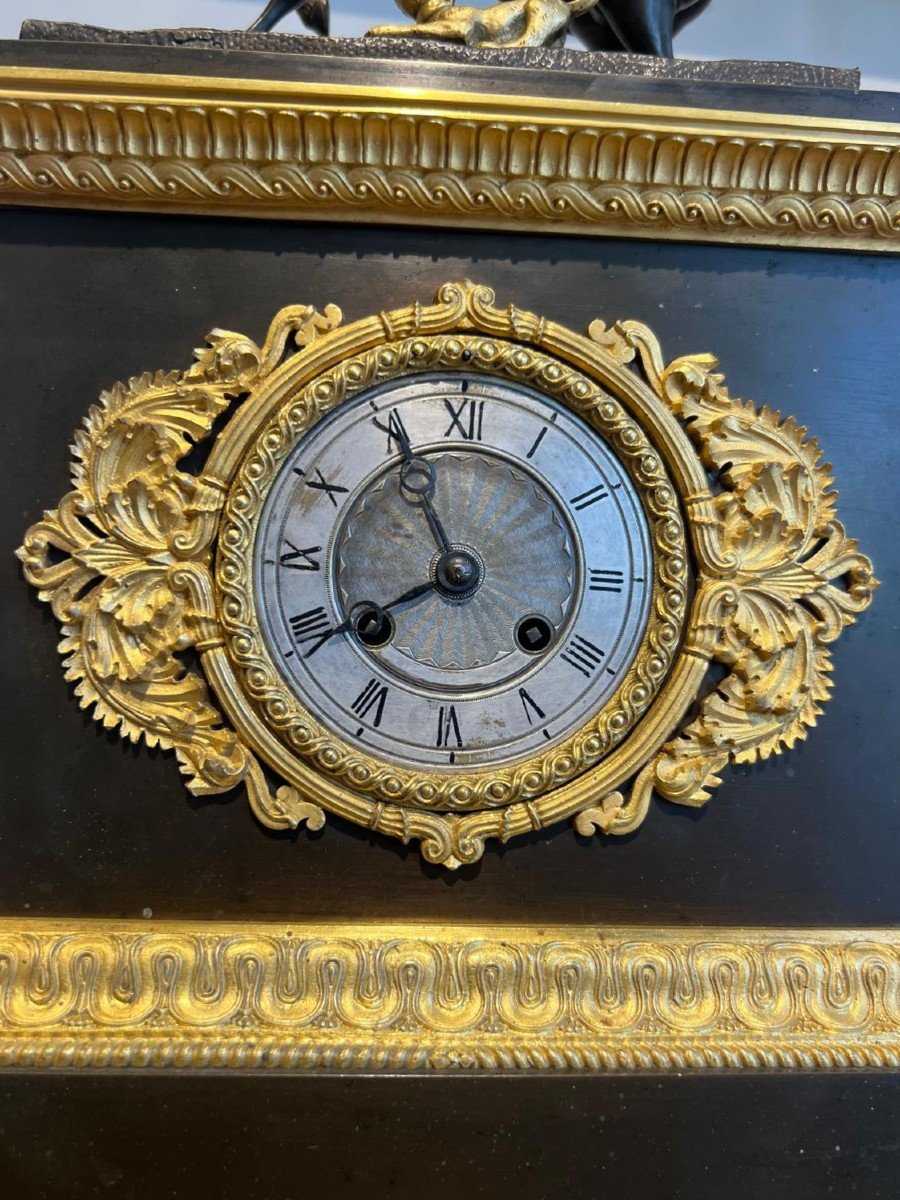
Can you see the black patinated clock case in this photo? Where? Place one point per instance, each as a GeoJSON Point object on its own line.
{"type": "Point", "coordinates": [107, 272]}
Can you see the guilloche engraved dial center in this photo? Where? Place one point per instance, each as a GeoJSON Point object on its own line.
{"type": "Point", "coordinates": [511, 551]}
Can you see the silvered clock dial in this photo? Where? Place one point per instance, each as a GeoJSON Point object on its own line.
{"type": "Point", "coordinates": [452, 576]}
{"type": "Point", "coordinates": [452, 570]}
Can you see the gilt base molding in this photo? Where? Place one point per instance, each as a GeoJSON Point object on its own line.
{"type": "Point", "coordinates": [354, 997]}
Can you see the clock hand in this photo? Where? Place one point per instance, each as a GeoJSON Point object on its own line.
{"type": "Point", "coordinates": [364, 609]}
{"type": "Point", "coordinates": [410, 480]}
{"type": "Point", "coordinates": [369, 608]}
{"type": "Point", "coordinates": [417, 476]}
{"type": "Point", "coordinates": [414, 593]}
{"type": "Point", "coordinates": [458, 571]}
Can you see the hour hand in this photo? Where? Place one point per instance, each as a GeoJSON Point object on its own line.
{"type": "Point", "coordinates": [367, 619]}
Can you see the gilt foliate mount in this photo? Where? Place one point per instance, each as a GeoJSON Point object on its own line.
{"type": "Point", "coordinates": [647, 572]}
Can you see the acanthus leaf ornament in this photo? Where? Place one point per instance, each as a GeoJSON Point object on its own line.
{"type": "Point", "coordinates": [751, 570]}
{"type": "Point", "coordinates": [789, 577]}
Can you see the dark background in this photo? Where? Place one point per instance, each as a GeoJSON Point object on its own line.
{"type": "Point", "coordinates": [90, 826]}
{"type": "Point", "coordinates": [546, 1138]}
{"type": "Point", "coordinates": [94, 826]}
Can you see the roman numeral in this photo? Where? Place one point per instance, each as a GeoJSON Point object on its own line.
{"type": "Point", "coordinates": [312, 626]}
{"type": "Point", "coordinates": [373, 696]}
{"type": "Point", "coordinates": [296, 559]}
{"type": "Point", "coordinates": [583, 655]}
{"type": "Point", "coordinates": [586, 499]}
{"type": "Point", "coordinates": [537, 441]}
{"type": "Point", "coordinates": [394, 428]}
{"type": "Point", "coordinates": [467, 419]}
{"type": "Point", "coordinates": [540, 437]}
{"type": "Point", "coordinates": [448, 727]}
{"type": "Point", "coordinates": [322, 485]}
{"type": "Point", "coordinates": [530, 707]}
{"type": "Point", "coordinates": [606, 581]}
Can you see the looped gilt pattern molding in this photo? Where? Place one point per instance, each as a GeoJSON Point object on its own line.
{"type": "Point", "coordinates": [81, 994]}
{"type": "Point", "coordinates": [97, 139]}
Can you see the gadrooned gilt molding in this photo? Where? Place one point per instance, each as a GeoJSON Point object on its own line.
{"type": "Point", "coordinates": [181, 144]}
{"type": "Point", "coordinates": [126, 561]}
{"type": "Point", "coordinates": [81, 994]}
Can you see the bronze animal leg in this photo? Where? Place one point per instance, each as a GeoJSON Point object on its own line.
{"type": "Point", "coordinates": [642, 26]}
{"type": "Point", "coordinates": [595, 31]}
{"type": "Point", "coordinates": [687, 10]}
{"type": "Point", "coordinates": [313, 14]}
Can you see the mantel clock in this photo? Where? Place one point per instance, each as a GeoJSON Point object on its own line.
{"type": "Point", "coordinates": [453, 572]}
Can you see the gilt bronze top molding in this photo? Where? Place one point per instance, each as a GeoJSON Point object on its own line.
{"type": "Point", "coordinates": [168, 143]}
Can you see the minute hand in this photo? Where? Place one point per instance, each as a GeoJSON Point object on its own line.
{"type": "Point", "coordinates": [437, 530]}
{"type": "Point", "coordinates": [417, 477]}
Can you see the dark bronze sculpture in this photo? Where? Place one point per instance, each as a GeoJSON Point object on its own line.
{"type": "Point", "coordinates": [638, 26]}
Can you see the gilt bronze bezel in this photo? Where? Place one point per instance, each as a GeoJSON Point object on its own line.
{"type": "Point", "coordinates": [285, 416]}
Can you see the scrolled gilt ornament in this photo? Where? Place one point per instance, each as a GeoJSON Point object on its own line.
{"type": "Point", "coordinates": [126, 561]}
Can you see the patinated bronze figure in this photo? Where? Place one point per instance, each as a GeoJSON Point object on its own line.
{"type": "Point", "coordinates": [508, 23]}
{"type": "Point", "coordinates": [639, 26]}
